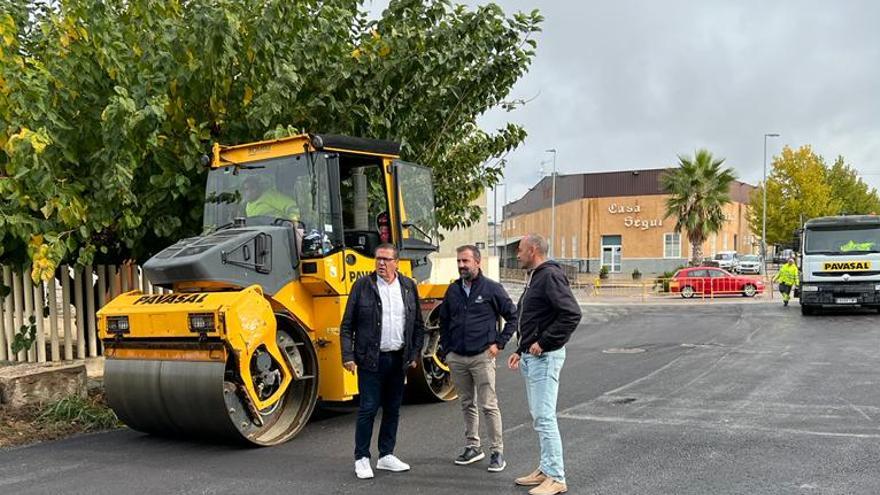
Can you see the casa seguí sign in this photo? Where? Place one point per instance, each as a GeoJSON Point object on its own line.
{"type": "Point", "coordinates": [633, 222]}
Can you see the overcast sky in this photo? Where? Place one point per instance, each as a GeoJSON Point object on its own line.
{"type": "Point", "coordinates": [630, 84]}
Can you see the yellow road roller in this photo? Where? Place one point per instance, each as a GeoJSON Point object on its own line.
{"type": "Point", "coordinates": [245, 340]}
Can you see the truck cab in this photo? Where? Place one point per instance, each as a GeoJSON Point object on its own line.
{"type": "Point", "coordinates": [840, 263]}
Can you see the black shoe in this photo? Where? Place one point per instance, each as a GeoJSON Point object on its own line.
{"type": "Point", "coordinates": [496, 462]}
{"type": "Point", "coordinates": [785, 303]}
{"type": "Point", "coordinates": [469, 456]}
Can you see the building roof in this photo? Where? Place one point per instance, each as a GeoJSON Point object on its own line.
{"type": "Point", "coordinates": [603, 185]}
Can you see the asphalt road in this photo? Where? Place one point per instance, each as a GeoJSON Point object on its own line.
{"type": "Point", "coordinates": [738, 399]}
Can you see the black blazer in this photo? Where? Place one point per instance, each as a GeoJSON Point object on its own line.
{"type": "Point", "coordinates": [361, 331]}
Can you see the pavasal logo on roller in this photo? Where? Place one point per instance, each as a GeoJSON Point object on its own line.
{"type": "Point", "coordinates": [171, 299]}
{"type": "Point", "coordinates": [846, 266]}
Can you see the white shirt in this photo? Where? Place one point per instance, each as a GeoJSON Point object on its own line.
{"type": "Point", "coordinates": [393, 314]}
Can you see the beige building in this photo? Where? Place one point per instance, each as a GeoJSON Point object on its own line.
{"type": "Point", "coordinates": [444, 266]}
{"type": "Point", "coordinates": [617, 219]}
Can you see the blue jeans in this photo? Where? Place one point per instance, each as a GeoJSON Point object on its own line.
{"type": "Point", "coordinates": [382, 388]}
{"type": "Point", "coordinates": [541, 374]}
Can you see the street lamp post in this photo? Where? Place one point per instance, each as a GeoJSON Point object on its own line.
{"type": "Point", "coordinates": [495, 216]}
{"type": "Point", "coordinates": [504, 225]}
{"type": "Point", "coordinates": [553, 205]}
{"type": "Point", "coordinates": [495, 219]}
{"type": "Point", "coordinates": [764, 206]}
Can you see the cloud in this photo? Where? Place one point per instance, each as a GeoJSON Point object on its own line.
{"type": "Point", "coordinates": [633, 84]}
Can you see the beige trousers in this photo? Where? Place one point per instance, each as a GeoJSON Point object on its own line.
{"type": "Point", "coordinates": [474, 379]}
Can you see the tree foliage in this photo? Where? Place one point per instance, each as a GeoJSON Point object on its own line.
{"type": "Point", "coordinates": [699, 189]}
{"type": "Point", "coordinates": [107, 105]}
{"type": "Point", "coordinates": [802, 186]}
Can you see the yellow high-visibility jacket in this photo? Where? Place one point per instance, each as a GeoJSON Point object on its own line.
{"type": "Point", "coordinates": [274, 204]}
{"type": "Point", "coordinates": [788, 274]}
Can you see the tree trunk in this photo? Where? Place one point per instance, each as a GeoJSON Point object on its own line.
{"type": "Point", "coordinates": [696, 253]}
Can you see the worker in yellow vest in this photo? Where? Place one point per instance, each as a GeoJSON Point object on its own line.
{"type": "Point", "coordinates": [788, 278]}
{"type": "Point", "coordinates": [263, 200]}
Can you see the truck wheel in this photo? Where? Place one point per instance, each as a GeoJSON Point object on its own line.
{"type": "Point", "coordinates": [807, 310]}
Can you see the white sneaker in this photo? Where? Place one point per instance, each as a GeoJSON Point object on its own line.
{"type": "Point", "coordinates": [362, 468]}
{"type": "Point", "coordinates": [391, 463]}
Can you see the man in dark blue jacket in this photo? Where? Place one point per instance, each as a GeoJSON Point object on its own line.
{"type": "Point", "coordinates": [470, 338]}
{"type": "Point", "coordinates": [381, 336]}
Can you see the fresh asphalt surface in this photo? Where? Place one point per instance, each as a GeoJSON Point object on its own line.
{"type": "Point", "coordinates": [727, 398]}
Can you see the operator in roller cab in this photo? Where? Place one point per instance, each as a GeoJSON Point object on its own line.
{"type": "Point", "coordinates": [263, 200]}
{"type": "Point", "coordinates": [840, 264]}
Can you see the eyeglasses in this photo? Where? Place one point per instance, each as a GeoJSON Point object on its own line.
{"type": "Point", "coordinates": [383, 259]}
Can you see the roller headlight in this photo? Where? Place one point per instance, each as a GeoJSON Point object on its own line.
{"type": "Point", "coordinates": [117, 324]}
{"type": "Point", "coordinates": [201, 322]}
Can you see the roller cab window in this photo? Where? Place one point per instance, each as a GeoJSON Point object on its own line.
{"type": "Point", "coordinates": [364, 204]}
{"type": "Point", "coordinates": [414, 184]}
{"type": "Point", "coordinates": [301, 191]}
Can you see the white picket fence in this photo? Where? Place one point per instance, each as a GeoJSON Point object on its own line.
{"type": "Point", "coordinates": [69, 327]}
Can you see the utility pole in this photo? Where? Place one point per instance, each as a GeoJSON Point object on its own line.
{"type": "Point", "coordinates": [504, 225]}
{"type": "Point", "coordinates": [764, 208]}
{"type": "Point", "coordinates": [495, 219]}
{"type": "Point", "coordinates": [553, 206]}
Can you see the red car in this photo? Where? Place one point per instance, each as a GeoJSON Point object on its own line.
{"type": "Point", "coordinates": [713, 281]}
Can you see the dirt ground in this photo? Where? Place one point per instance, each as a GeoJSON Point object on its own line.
{"type": "Point", "coordinates": [30, 425]}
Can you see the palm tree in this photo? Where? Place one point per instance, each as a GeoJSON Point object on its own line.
{"type": "Point", "coordinates": [699, 189]}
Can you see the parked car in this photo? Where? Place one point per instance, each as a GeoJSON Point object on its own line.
{"type": "Point", "coordinates": [726, 259]}
{"type": "Point", "coordinates": [709, 262]}
{"type": "Point", "coordinates": [783, 256]}
{"type": "Point", "coordinates": [714, 281]}
{"type": "Point", "coordinates": [750, 263]}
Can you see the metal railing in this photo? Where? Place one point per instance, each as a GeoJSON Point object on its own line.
{"type": "Point", "coordinates": [589, 287]}
{"type": "Point", "coordinates": [665, 288]}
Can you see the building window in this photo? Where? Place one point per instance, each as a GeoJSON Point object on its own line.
{"type": "Point", "coordinates": [574, 246]}
{"type": "Point", "coordinates": [672, 245]}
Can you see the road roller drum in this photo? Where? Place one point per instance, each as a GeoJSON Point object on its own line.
{"type": "Point", "coordinates": [231, 385]}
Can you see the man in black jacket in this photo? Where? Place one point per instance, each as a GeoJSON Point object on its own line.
{"type": "Point", "coordinates": [548, 314]}
{"type": "Point", "coordinates": [381, 336]}
{"type": "Point", "coordinates": [470, 338]}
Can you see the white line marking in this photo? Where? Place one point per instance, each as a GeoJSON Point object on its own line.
{"type": "Point", "coordinates": [858, 410]}
{"type": "Point", "coordinates": [715, 426]}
